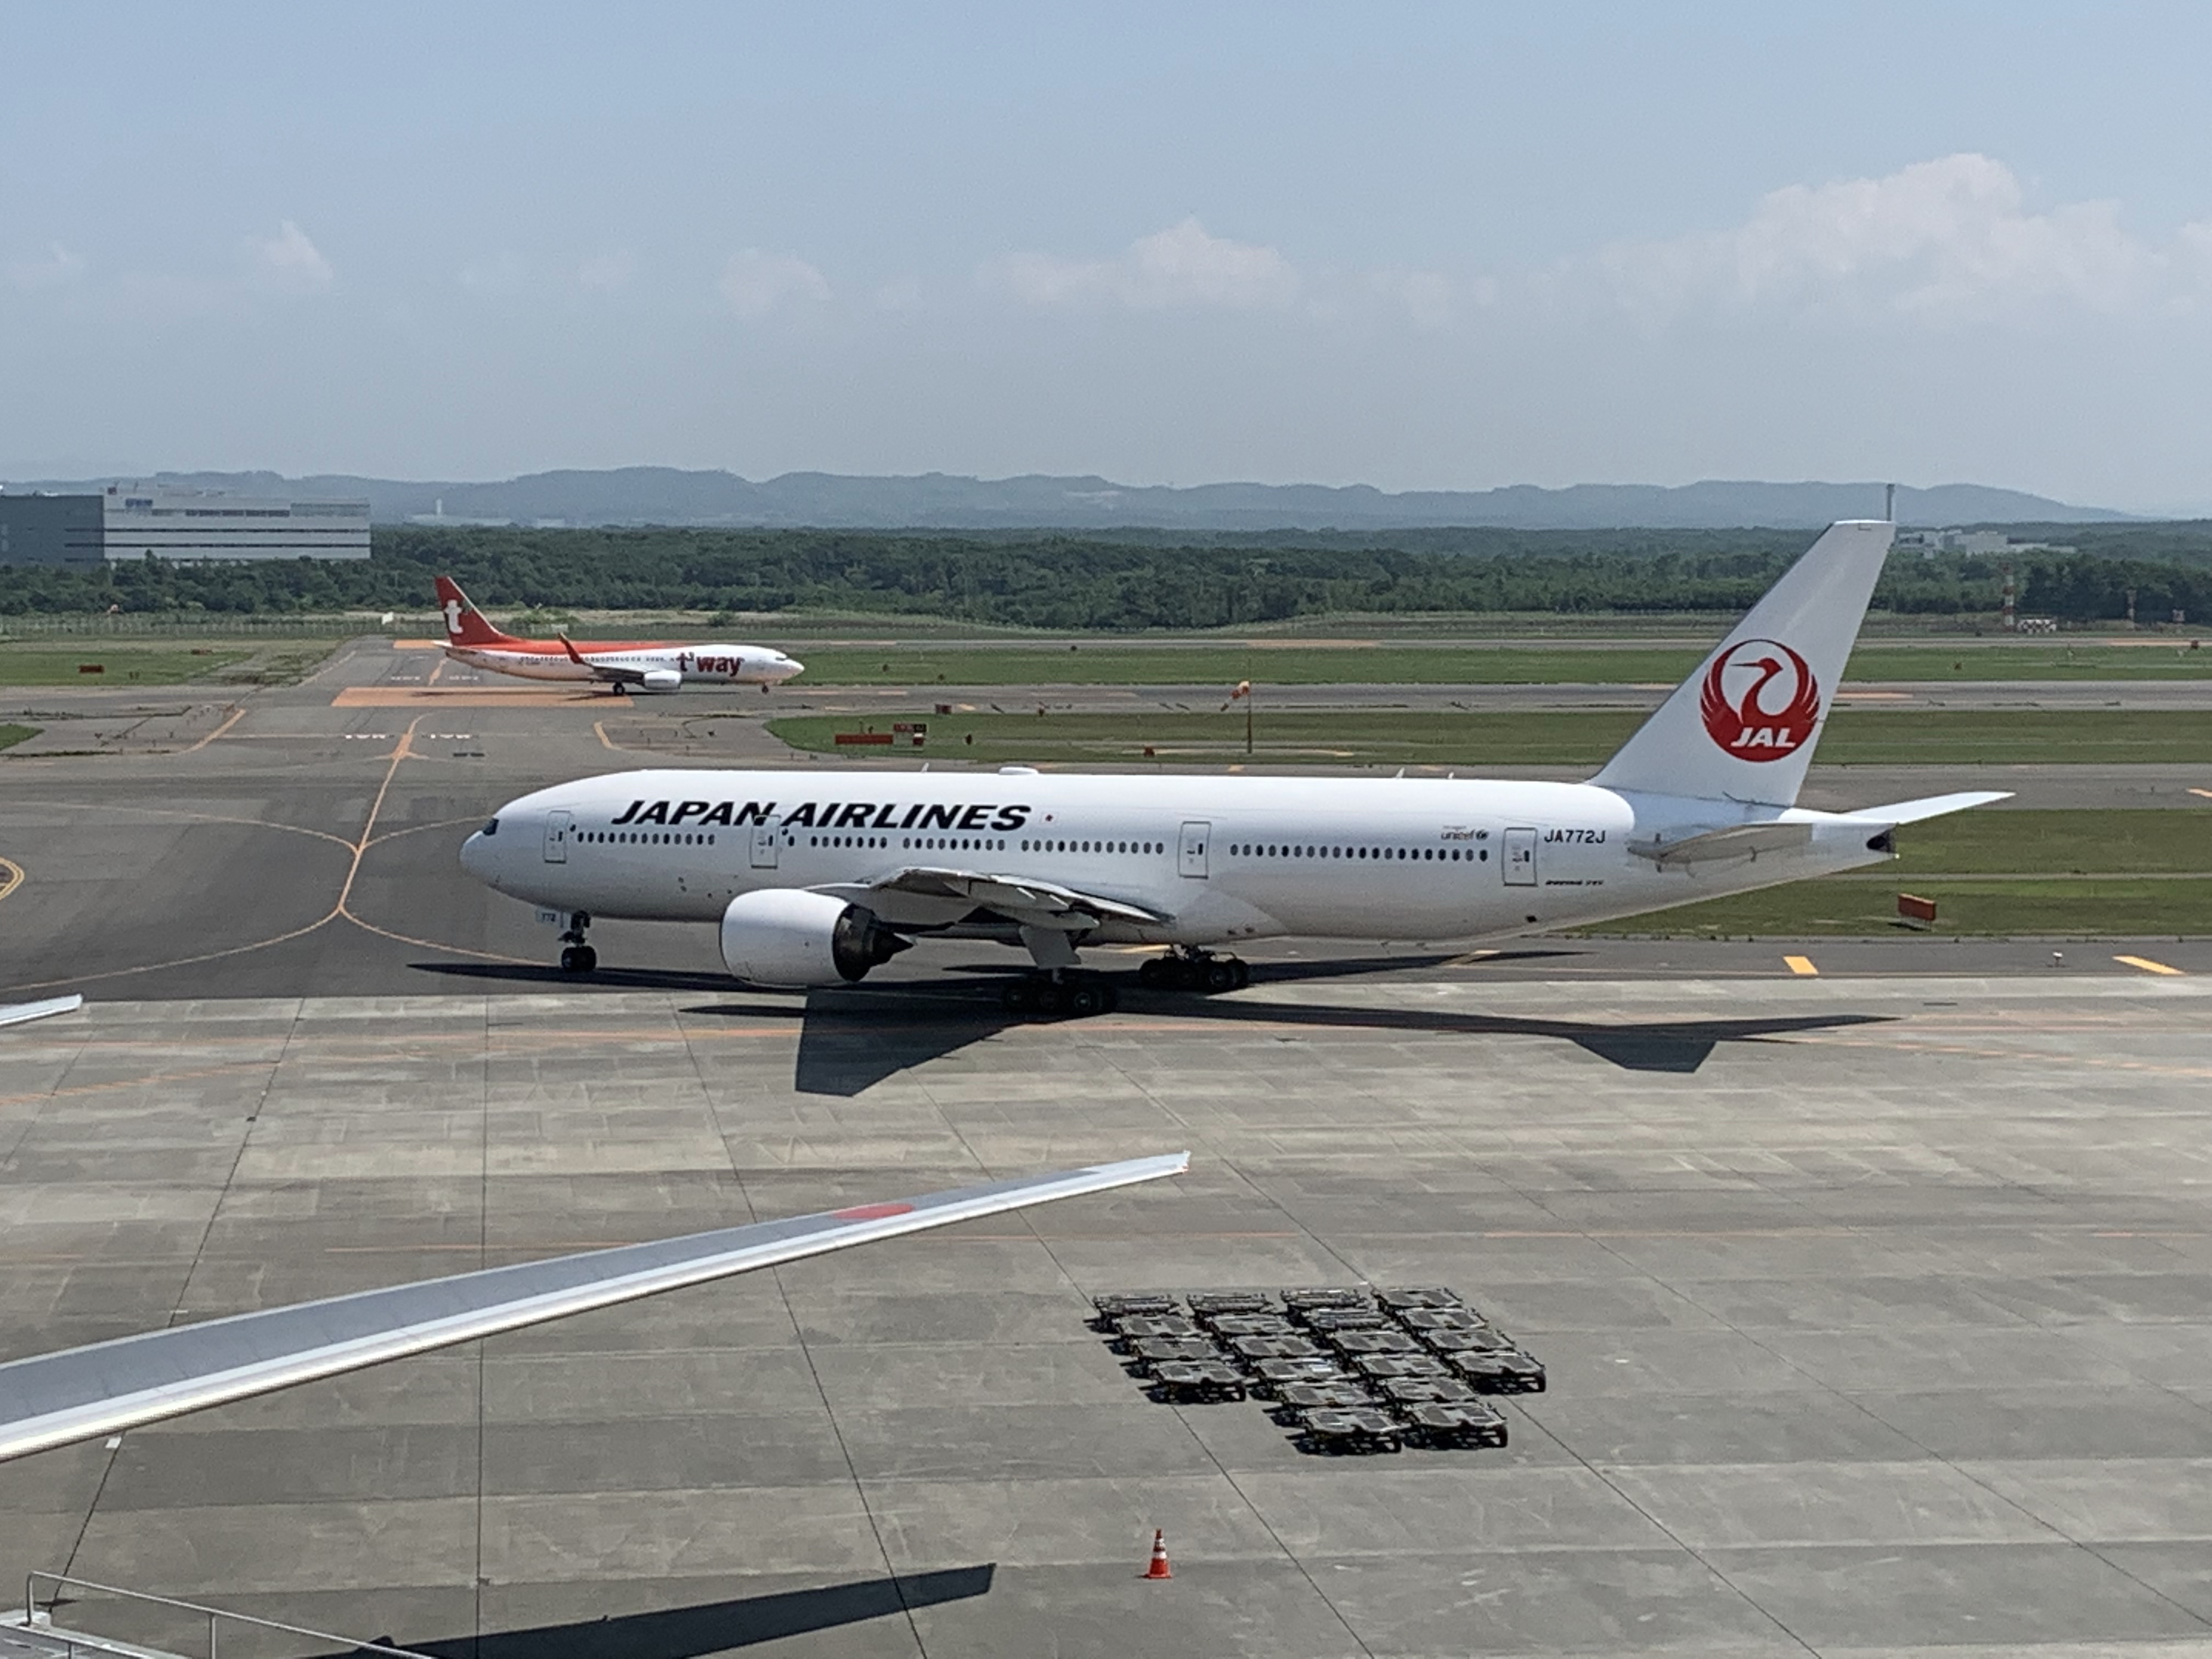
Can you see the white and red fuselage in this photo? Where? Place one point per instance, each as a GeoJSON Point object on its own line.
{"type": "Point", "coordinates": [640, 664]}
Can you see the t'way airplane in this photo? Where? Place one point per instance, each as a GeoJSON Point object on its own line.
{"type": "Point", "coordinates": [640, 664]}
{"type": "Point", "coordinates": [816, 876]}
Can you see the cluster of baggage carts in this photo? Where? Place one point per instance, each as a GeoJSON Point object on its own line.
{"type": "Point", "coordinates": [1352, 1369]}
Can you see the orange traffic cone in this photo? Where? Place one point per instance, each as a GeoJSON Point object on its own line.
{"type": "Point", "coordinates": [1159, 1568]}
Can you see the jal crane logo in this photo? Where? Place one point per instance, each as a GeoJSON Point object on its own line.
{"type": "Point", "coordinates": [1747, 713]}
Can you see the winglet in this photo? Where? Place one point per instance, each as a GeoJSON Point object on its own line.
{"type": "Point", "coordinates": [569, 646]}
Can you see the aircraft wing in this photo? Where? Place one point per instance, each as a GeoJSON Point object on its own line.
{"type": "Point", "coordinates": [1021, 899]}
{"type": "Point", "coordinates": [81, 1394]}
{"type": "Point", "coordinates": [609, 672]}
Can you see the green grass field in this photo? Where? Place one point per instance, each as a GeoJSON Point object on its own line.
{"type": "Point", "coordinates": [2021, 871]}
{"type": "Point", "coordinates": [1857, 907]}
{"type": "Point", "coordinates": [11, 734]}
{"type": "Point", "coordinates": [124, 664]}
{"type": "Point", "coordinates": [167, 662]}
{"type": "Point", "coordinates": [1548, 736]}
{"type": "Point", "coordinates": [1311, 663]}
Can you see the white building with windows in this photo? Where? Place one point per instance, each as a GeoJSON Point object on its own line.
{"type": "Point", "coordinates": [143, 520]}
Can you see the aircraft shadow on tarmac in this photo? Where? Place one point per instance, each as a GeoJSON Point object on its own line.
{"type": "Point", "coordinates": [716, 1626]}
{"type": "Point", "coordinates": [851, 1040]}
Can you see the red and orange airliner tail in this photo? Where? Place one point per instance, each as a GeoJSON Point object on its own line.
{"type": "Point", "coordinates": [465, 624]}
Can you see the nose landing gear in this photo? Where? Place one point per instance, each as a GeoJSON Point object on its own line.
{"type": "Point", "coordinates": [576, 956]}
{"type": "Point", "coordinates": [1194, 970]}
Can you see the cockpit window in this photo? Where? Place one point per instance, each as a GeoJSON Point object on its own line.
{"type": "Point", "coordinates": [492, 829]}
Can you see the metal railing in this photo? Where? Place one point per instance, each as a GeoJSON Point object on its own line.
{"type": "Point", "coordinates": [215, 1617]}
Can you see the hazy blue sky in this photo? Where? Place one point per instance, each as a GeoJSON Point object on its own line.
{"type": "Point", "coordinates": [1413, 246]}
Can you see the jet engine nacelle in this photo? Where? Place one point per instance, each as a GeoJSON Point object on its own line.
{"type": "Point", "coordinates": [790, 938]}
{"type": "Point", "coordinates": [661, 679]}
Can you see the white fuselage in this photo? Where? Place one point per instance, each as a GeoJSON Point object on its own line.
{"type": "Point", "coordinates": [1223, 858]}
{"type": "Point", "coordinates": [714, 665]}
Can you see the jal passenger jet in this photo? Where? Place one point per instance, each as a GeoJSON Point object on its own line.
{"type": "Point", "coordinates": [640, 666]}
{"type": "Point", "coordinates": [815, 876]}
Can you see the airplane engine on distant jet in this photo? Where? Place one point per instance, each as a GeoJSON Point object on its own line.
{"type": "Point", "coordinates": [789, 939]}
{"type": "Point", "coordinates": [661, 679]}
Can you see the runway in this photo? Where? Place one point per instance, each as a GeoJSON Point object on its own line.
{"type": "Point", "coordinates": [1875, 1295]}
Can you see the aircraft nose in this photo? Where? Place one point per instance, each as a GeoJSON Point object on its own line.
{"type": "Point", "coordinates": [479, 853]}
{"type": "Point", "coordinates": [786, 667]}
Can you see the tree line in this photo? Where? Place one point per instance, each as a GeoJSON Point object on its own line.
{"type": "Point", "coordinates": [1129, 582]}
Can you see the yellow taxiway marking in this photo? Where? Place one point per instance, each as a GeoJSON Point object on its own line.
{"type": "Point", "coordinates": [11, 876]}
{"type": "Point", "coordinates": [1802, 966]}
{"type": "Point", "coordinates": [418, 645]}
{"type": "Point", "coordinates": [2147, 965]}
{"type": "Point", "coordinates": [1471, 958]}
{"type": "Point", "coordinates": [2207, 793]}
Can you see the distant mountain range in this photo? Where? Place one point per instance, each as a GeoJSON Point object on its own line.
{"type": "Point", "coordinates": [937, 501]}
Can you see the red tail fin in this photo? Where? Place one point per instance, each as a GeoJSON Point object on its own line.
{"type": "Point", "coordinates": [465, 624]}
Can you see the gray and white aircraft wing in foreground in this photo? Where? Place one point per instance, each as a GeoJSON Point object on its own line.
{"type": "Point", "coordinates": [84, 1393]}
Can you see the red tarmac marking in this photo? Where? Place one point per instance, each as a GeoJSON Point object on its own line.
{"type": "Point", "coordinates": [871, 1211]}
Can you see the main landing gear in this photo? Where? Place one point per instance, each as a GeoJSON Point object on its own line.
{"type": "Point", "coordinates": [1194, 970]}
{"type": "Point", "coordinates": [1056, 992]}
{"type": "Point", "coordinates": [576, 956]}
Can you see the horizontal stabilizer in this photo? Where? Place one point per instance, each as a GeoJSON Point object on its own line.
{"type": "Point", "coordinates": [1746, 841]}
{"type": "Point", "coordinates": [81, 1394]}
{"type": "Point", "coordinates": [1931, 806]}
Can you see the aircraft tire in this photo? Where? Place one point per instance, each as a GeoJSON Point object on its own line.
{"type": "Point", "coordinates": [1016, 997]}
{"type": "Point", "coordinates": [579, 959]}
{"type": "Point", "coordinates": [1049, 999]}
{"type": "Point", "coordinates": [1084, 1001]}
{"type": "Point", "coordinates": [1220, 975]}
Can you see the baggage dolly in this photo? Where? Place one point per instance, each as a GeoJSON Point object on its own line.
{"type": "Point", "coordinates": [1186, 1382]}
{"type": "Point", "coordinates": [1467, 1424]}
{"type": "Point", "coordinates": [1334, 1432]}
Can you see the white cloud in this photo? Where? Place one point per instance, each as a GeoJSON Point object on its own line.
{"type": "Point", "coordinates": [1949, 238]}
{"type": "Point", "coordinates": [56, 268]}
{"type": "Point", "coordinates": [603, 273]}
{"type": "Point", "coordinates": [495, 274]}
{"type": "Point", "coordinates": [901, 294]}
{"type": "Point", "coordinates": [1426, 298]}
{"type": "Point", "coordinates": [289, 263]}
{"type": "Point", "coordinates": [1183, 265]}
{"type": "Point", "coordinates": [755, 283]}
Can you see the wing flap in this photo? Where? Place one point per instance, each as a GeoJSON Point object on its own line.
{"type": "Point", "coordinates": [82, 1393]}
{"type": "Point", "coordinates": [1020, 898]}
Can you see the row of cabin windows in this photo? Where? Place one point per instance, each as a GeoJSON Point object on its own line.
{"type": "Point", "coordinates": [1428, 855]}
{"type": "Point", "coordinates": [939, 843]}
{"type": "Point", "coordinates": [1094, 847]}
{"type": "Point", "coordinates": [968, 844]}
